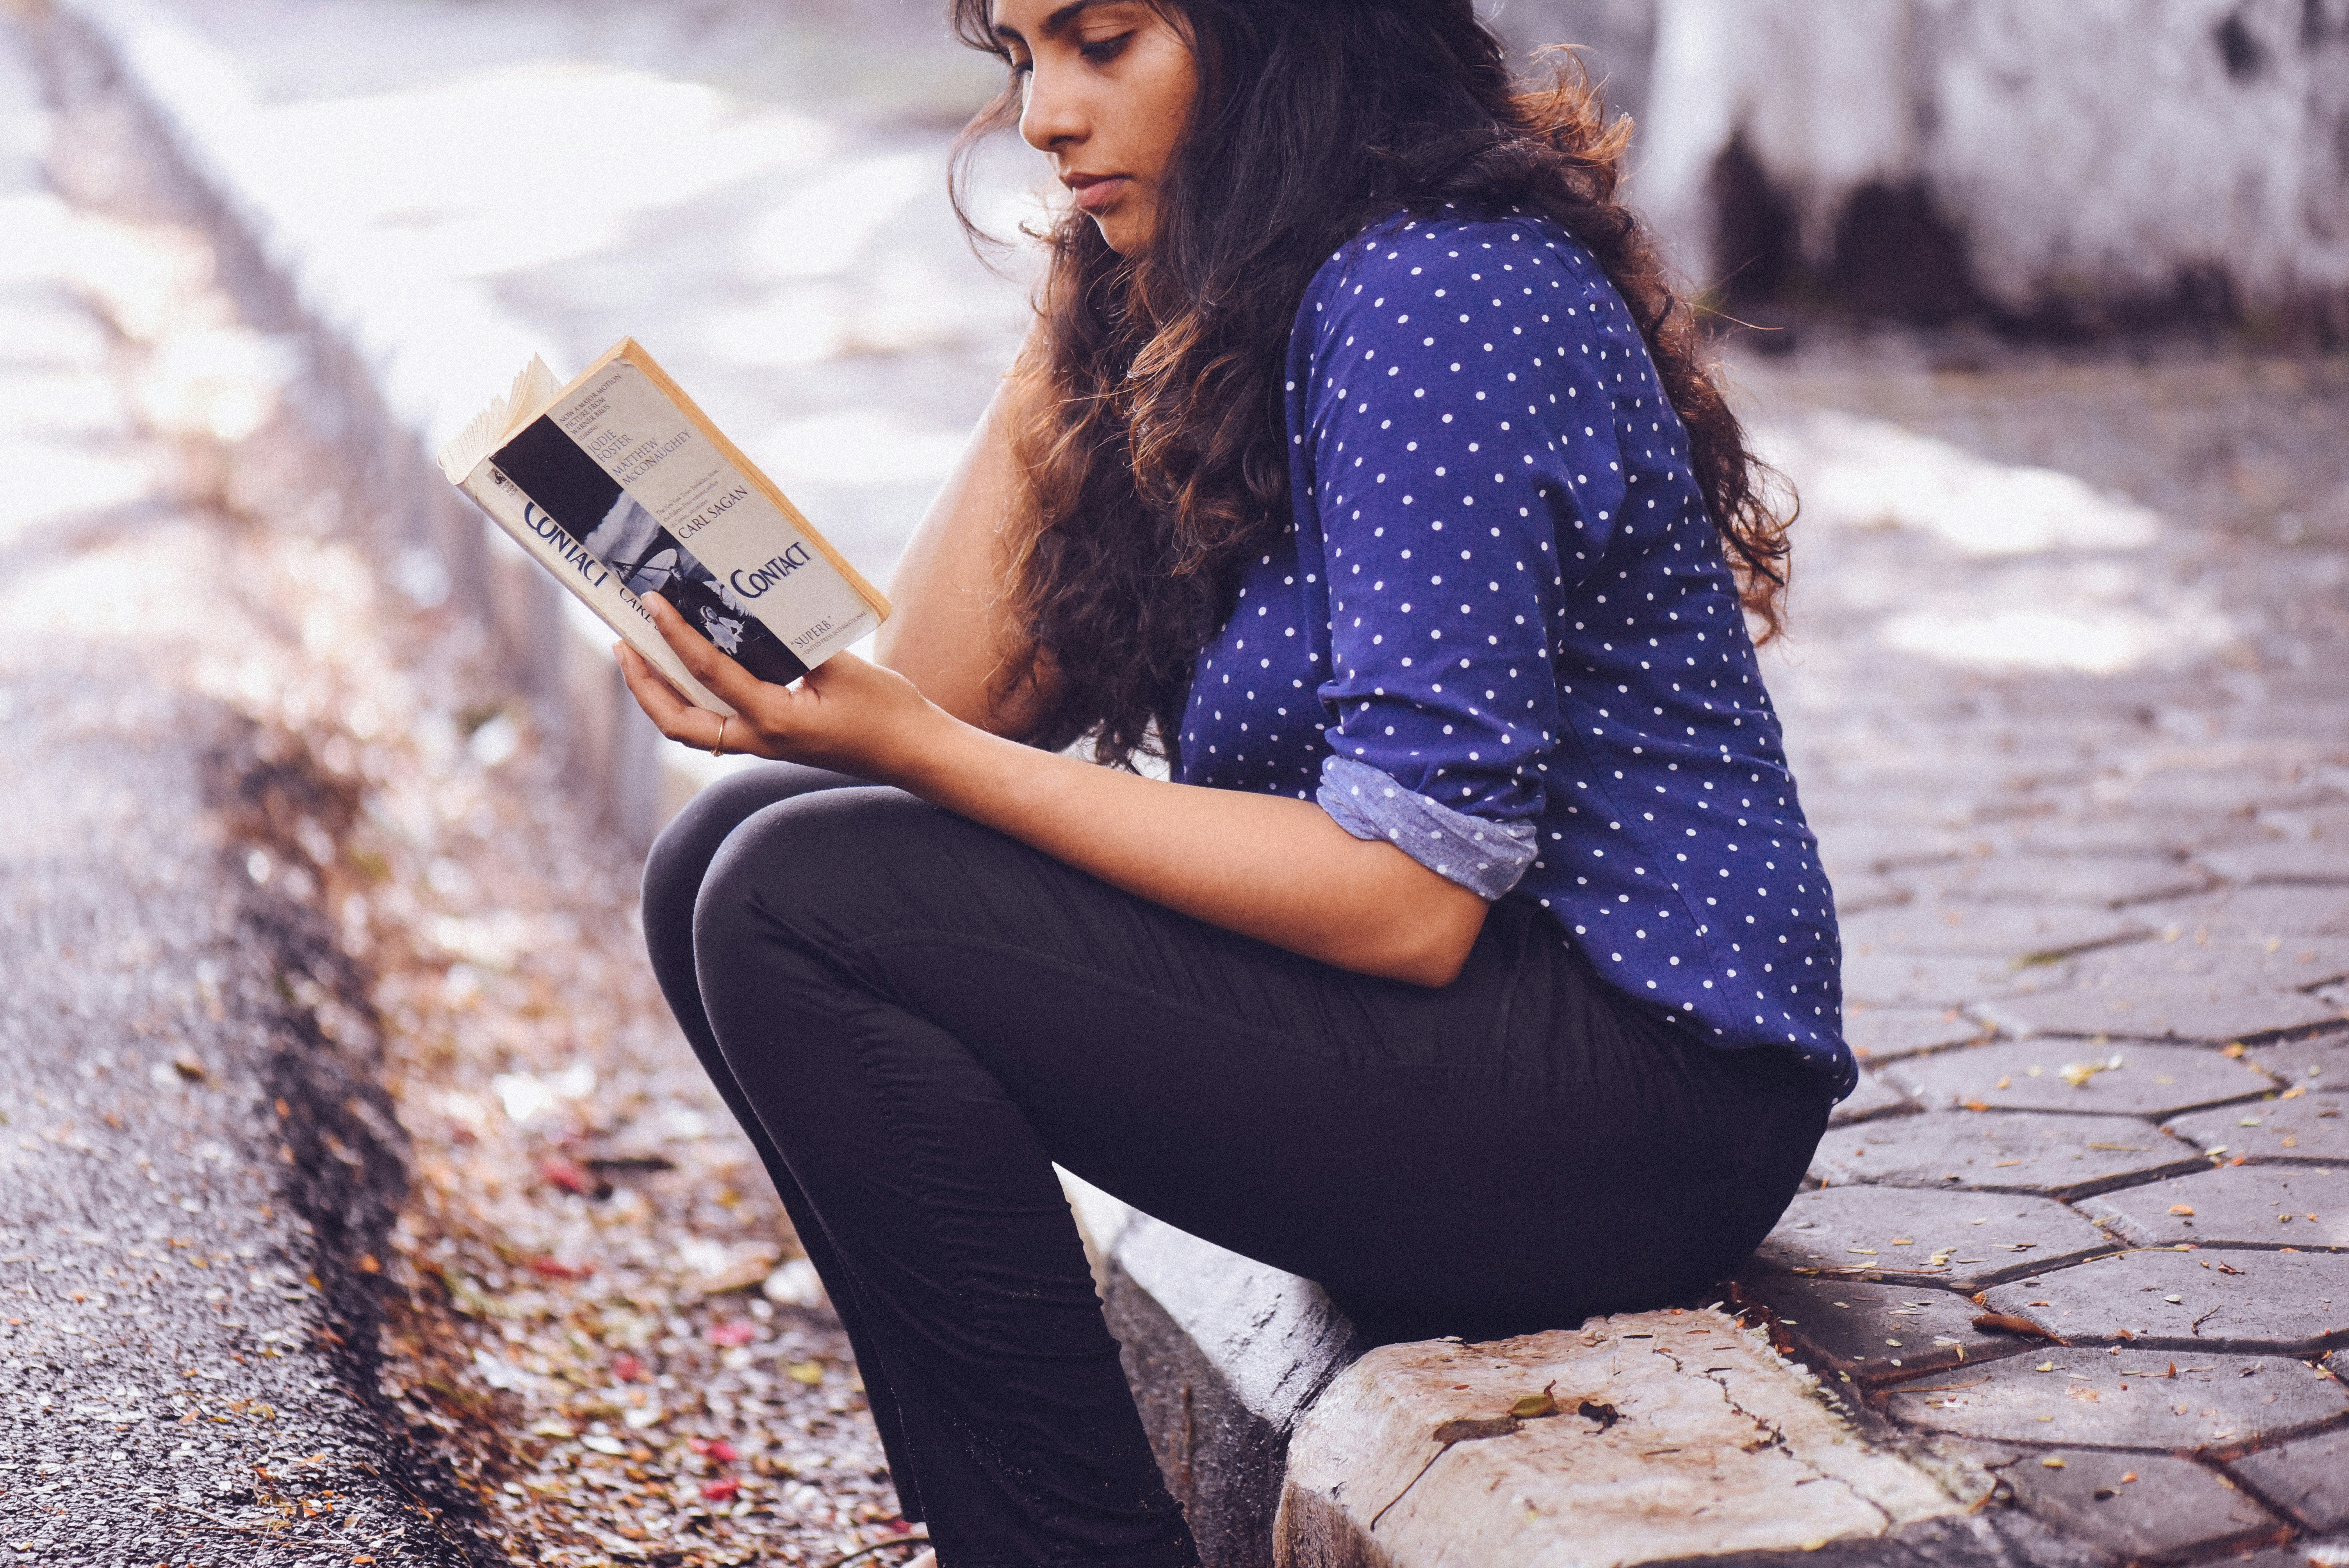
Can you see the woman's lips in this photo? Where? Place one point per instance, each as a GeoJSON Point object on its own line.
{"type": "Point", "coordinates": [1096, 192]}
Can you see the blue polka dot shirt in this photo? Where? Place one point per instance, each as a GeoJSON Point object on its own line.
{"type": "Point", "coordinates": [1501, 634]}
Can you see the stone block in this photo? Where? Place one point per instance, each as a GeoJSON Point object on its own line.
{"type": "Point", "coordinates": [2061, 1157]}
{"type": "Point", "coordinates": [1676, 1434]}
{"type": "Point", "coordinates": [2281, 861]}
{"type": "Point", "coordinates": [1222, 1355]}
{"type": "Point", "coordinates": [2096, 881]}
{"type": "Point", "coordinates": [2009, 931]}
{"type": "Point", "coordinates": [2239, 1205]}
{"type": "Point", "coordinates": [1868, 1333]}
{"type": "Point", "coordinates": [1960, 1241]}
{"type": "Point", "coordinates": [1875, 1096]}
{"type": "Point", "coordinates": [2083, 1396]}
{"type": "Point", "coordinates": [2307, 1478]}
{"type": "Point", "coordinates": [2308, 1121]}
{"type": "Point", "coordinates": [2154, 1007]}
{"type": "Point", "coordinates": [1882, 1033]}
{"type": "Point", "coordinates": [1943, 981]}
{"type": "Point", "coordinates": [2255, 913]}
{"type": "Point", "coordinates": [2142, 1508]}
{"type": "Point", "coordinates": [2279, 1304]}
{"type": "Point", "coordinates": [2055, 1075]}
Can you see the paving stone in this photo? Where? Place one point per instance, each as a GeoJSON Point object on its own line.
{"type": "Point", "coordinates": [2281, 862]}
{"type": "Point", "coordinates": [2184, 989]}
{"type": "Point", "coordinates": [2254, 913]}
{"type": "Point", "coordinates": [1870, 1333]}
{"type": "Point", "coordinates": [2307, 1478]}
{"type": "Point", "coordinates": [1952, 980]}
{"type": "Point", "coordinates": [1875, 1096]}
{"type": "Point", "coordinates": [1881, 1033]}
{"type": "Point", "coordinates": [2282, 1303]}
{"type": "Point", "coordinates": [2030, 1075]}
{"type": "Point", "coordinates": [1856, 850]}
{"type": "Point", "coordinates": [2164, 1508]}
{"type": "Point", "coordinates": [2002, 1151]}
{"type": "Point", "coordinates": [2008, 931]}
{"type": "Point", "coordinates": [2243, 1205]}
{"type": "Point", "coordinates": [2303, 1554]}
{"type": "Point", "coordinates": [1961, 1240]}
{"type": "Point", "coordinates": [1677, 1436]}
{"type": "Point", "coordinates": [2105, 880]}
{"type": "Point", "coordinates": [2308, 1121]}
{"type": "Point", "coordinates": [2089, 1398]}
{"type": "Point", "coordinates": [1856, 893]}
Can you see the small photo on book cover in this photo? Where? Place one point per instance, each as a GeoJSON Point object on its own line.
{"type": "Point", "coordinates": [642, 554]}
{"type": "Point", "coordinates": [611, 525]}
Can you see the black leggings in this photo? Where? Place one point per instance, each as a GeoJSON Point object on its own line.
{"type": "Point", "coordinates": [914, 1016]}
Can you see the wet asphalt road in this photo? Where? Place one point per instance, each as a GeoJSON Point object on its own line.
{"type": "Point", "coordinates": [189, 1138]}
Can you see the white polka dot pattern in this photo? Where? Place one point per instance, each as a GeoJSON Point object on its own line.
{"type": "Point", "coordinates": [1501, 594]}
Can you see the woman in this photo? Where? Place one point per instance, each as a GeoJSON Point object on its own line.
{"type": "Point", "coordinates": [1475, 962]}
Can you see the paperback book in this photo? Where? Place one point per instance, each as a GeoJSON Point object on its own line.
{"type": "Point", "coordinates": [619, 486]}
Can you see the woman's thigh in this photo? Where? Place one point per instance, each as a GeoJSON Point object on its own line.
{"type": "Point", "coordinates": [1515, 1147]}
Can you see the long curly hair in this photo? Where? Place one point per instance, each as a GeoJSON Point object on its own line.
{"type": "Point", "coordinates": [1152, 438]}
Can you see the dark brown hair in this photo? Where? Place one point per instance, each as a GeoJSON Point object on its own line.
{"type": "Point", "coordinates": [1153, 442]}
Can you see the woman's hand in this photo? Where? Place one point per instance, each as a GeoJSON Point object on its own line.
{"type": "Point", "coordinates": [847, 715]}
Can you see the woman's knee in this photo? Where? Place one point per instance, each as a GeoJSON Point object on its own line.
{"type": "Point", "coordinates": [680, 856]}
{"type": "Point", "coordinates": [823, 867]}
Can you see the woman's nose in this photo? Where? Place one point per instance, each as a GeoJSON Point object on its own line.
{"type": "Point", "coordinates": [1050, 119]}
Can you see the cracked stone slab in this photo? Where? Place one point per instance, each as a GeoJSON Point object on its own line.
{"type": "Point", "coordinates": [2031, 1075]}
{"type": "Point", "coordinates": [2009, 931]}
{"type": "Point", "coordinates": [1937, 980]}
{"type": "Point", "coordinates": [2085, 1396]}
{"type": "Point", "coordinates": [1960, 1241]}
{"type": "Point", "coordinates": [2307, 1127]}
{"type": "Point", "coordinates": [2307, 1478]}
{"type": "Point", "coordinates": [1875, 1096]}
{"type": "Point", "coordinates": [1868, 1333]}
{"type": "Point", "coordinates": [1880, 1034]}
{"type": "Point", "coordinates": [1678, 1435]}
{"type": "Point", "coordinates": [2148, 1007]}
{"type": "Point", "coordinates": [2098, 881]}
{"type": "Point", "coordinates": [2309, 1121]}
{"type": "Point", "coordinates": [2241, 1205]}
{"type": "Point", "coordinates": [2061, 1157]}
{"type": "Point", "coordinates": [2281, 861]}
{"type": "Point", "coordinates": [2139, 1507]}
{"type": "Point", "coordinates": [2254, 913]}
{"type": "Point", "coordinates": [2280, 1303]}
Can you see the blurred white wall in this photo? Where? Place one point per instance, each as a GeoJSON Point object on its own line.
{"type": "Point", "coordinates": [2078, 158]}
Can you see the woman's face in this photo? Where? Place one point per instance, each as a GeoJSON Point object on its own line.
{"type": "Point", "coordinates": [1105, 91]}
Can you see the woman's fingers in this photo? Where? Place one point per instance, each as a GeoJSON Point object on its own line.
{"type": "Point", "coordinates": [671, 713]}
{"type": "Point", "coordinates": [737, 687]}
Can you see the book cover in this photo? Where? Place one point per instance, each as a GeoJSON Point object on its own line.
{"type": "Point", "coordinates": [620, 485]}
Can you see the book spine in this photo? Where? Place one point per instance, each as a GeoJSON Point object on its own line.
{"type": "Point", "coordinates": [587, 578]}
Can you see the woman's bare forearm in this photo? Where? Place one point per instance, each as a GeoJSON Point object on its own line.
{"type": "Point", "coordinates": [1266, 866]}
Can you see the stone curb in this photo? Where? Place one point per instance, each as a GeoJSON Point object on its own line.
{"type": "Point", "coordinates": [383, 392]}
{"type": "Point", "coordinates": [1293, 1443]}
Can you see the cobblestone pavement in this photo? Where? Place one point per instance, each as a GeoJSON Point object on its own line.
{"type": "Point", "coordinates": [2077, 749]}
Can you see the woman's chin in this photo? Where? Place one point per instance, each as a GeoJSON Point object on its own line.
{"type": "Point", "coordinates": [1122, 233]}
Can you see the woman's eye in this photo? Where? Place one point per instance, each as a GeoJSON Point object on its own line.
{"type": "Point", "coordinates": [1101, 50]}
